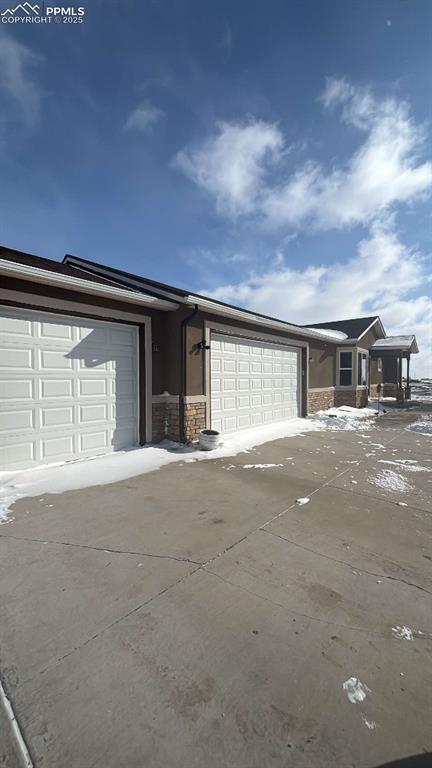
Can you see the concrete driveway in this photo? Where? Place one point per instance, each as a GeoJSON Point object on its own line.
{"type": "Point", "coordinates": [198, 616]}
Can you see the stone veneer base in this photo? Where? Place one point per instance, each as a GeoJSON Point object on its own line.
{"type": "Point", "coordinates": [166, 420]}
{"type": "Point", "coordinates": [356, 398]}
{"type": "Point", "coordinates": [320, 399]}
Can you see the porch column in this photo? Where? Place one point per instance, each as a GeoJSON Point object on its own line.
{"type": "Point", "coordinates": [408, 387]}
{"type": "Point", "coordinates": [399, 390]}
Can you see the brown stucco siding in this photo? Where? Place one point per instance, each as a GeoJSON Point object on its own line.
{"type": "Point", "coordinates": [376, 376]}
{"type": "Point", "coordinates": [166, 335]}
{"type": "Point", "coordinates": [370, 337]}
{"type": "Point", "coordinates": [322, 364]}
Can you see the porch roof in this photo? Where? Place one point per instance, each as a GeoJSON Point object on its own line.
{"type": "Point", "coordinates": [402, 343]}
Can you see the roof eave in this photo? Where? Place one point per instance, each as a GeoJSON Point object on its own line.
{"type": "Point", "coordinates": [58, 280]}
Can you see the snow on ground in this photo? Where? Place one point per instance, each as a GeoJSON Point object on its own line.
{"type": "Point", "coordinates": [422, 390]}
{"type": "Point", "coordinates": [346, 418]}
{"type": "Point", "coordinates": [403, 632]}
{"type": "Point", "coordinates": [102, 470]}
{"type": "Point", "coordinates": [422, 426]}
{"type": "Point", "coordinates": [355, 690]}
{"type": "Point", "coordinates": [407, 465]}
{"type": "Point", "coordinates": [261, 466]}
{"type": "Point", "coordinates": [389, 480]}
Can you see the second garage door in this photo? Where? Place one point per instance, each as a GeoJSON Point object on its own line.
{"type": "Point", "coordinates": [252, 383]}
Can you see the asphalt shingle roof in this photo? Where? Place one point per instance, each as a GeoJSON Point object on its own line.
{"type": "Point", "coordinates": [353, 327]}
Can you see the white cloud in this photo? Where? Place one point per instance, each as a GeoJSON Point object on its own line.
{"type": "Point", "coordinates": [336, 91]}
{"type": "Point", "coordinates": [144, 117]}
{"type": "Point", "coordinates": [232, 165]}
{"type": "Point", "coordinates": [17, 65]}
{"type": "Point", "coordinates": [378, 279]}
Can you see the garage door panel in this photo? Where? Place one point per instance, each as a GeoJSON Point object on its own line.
{"type": "Point", "coordinates": [53, 360]}
{"type": "Point", "coordinates": [13, 358]}
{"type": "Point", "coordinates": [17, 420]}
{"type": "Point", "coordinates": [55, 388]}
{"type": "Point", "coordinates": [56, 417]}
{"type": "Point", "coordinates": [14, 389]}
{"type": "Point", "coordinates": [54, 448]}
{"type": "Point", "coordinates": [18, 453]}
{"type": "Point", "coordinates": [265, 377]}
{"type": "Point", "coordinates": [92, 387]}
{"type": "Point", "coordinates": [70, 383]}
{"type": "Point", "coordinates": [92, 336]}
{"type": "Point", "coordinates": [94, 441]}
{"type": "Point", "coordinates": [55, 331]}
{"type": "Point", "coordinates": [15, 326]}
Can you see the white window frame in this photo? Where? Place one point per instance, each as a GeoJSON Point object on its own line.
{"type": "Point", "coordinates": [345, 368]}
{"type": "Point", "coordinates": [379, 364]}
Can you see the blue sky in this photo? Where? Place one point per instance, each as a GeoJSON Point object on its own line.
{"type": "Point", "coordinates": [272, 153]}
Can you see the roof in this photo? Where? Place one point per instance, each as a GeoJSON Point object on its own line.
{"type": "Point", "coordinates": [19, 257]}
{"type": "Point", "coordinates": [353, 327]}
{"type": "Point", "coordinates": [172, 293]}
{"type": "Point", "coordinates": [405, 343]}
{"type": "Point", "coordinates": [38, 270]}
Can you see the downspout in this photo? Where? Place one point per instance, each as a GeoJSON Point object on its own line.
{"type": "Point", "coordinates": [183, 371]}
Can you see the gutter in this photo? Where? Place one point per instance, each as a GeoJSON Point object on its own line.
{"type": "Point", "coordinates": [46, 277]}
{"type": "Point", "coordinates": [183, 370]}
{"type": "Point", "coordinates": [202, 302]}
{"type": "Point", "coordinates": [250, 317]}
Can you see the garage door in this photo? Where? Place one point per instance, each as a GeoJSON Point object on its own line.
{"type": "Point", "coordinates": [252, 383]}
{"type": "Point", "coordinates": [68, 387]}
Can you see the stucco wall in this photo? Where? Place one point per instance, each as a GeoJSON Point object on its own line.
{"type": "Point", "coordinates": [322, 364]}
{"type": "Point", "coordinates": [390, 369]}
{"type": "Point", "coordinates": [376, 376]}
{"type": "Point", "coordinates": [370, 337]}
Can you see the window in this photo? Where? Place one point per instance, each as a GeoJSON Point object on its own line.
{"type": "Point", "coordinates": [345, 369]}
{"type": "Point", "coordinates": [362, 369]}
{"type": "Point", "coordinates": [379, 365]}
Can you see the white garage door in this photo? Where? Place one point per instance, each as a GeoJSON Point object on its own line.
{"type": "Point", "coordinates": [68, 387]}
{"type": "Point", "coordinates": [252, 383]}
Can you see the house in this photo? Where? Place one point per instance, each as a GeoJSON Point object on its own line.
{"type": "Point", "coordinates": [94, 359]}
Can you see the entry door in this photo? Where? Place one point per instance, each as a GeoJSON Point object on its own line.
{"type": "Point", "coordinates": [252, 383]}
{"type": "Point", "coordinates": [68, 387]}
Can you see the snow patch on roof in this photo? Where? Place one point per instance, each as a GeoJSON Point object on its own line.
{"type": "Point", "coordinates": [331, 333]}
{"type": "Point", "coordinates": [401, 342]}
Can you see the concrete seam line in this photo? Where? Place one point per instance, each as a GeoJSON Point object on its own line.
{"type": "Point", "coordinates": [99, 549]}
{"type": "Point", "coordinates": [345, 563]}
{"type": "Point", "coordinates": [324, 485]}
{"type": "Point", "coordinates": [16, 730]}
